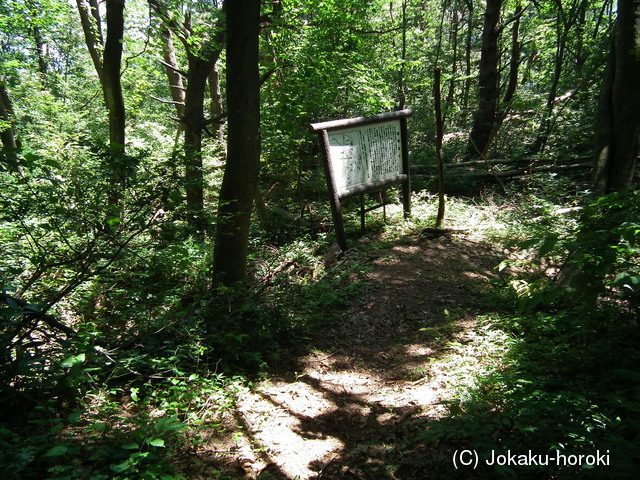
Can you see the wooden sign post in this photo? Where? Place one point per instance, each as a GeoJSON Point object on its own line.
{"type": "Point", "coordinates": [364, 154]}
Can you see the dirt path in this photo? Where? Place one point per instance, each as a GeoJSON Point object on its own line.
{"type": "Point", "coordinates": [354, 407]}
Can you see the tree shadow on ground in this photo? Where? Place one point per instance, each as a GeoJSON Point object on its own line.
{"type": "Point", "coordinates": [355, 405]}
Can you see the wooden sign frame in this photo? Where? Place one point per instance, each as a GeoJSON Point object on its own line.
{"type": "Point", "coordinates": [361, 155]}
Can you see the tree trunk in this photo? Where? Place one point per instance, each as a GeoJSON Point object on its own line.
{"type": "Point", "coordinates": [92, 32]}
{"type": "Point", "coordinates": [240, 179]}
{"type": "Point", "coordinates": [194, 123]}
{"type": "Point", "coordinates": [113, 98]}
{"type": "Point", "coordinates": [8, 154]}
{"type": "Point", "coordinates": [514, 65]}
{"type": "Point", "coordinates": [216, 99]}
{"type": "Point", "coordinates": [484, 118]}
{"type": "Point", "coordinates": [112, 87]}
{"type": "Point", "coordinates": [448, 103]}
{"type": "Point", "coordinates": [618, 116]}
{"type": "Point", "coordinates": [581, 53]}
{"type": "Point", "coordinates": [467, 56]}
{"type": "Point", "coordinates": [546, 123]}
{"type": "Point", "coordinates": [401, 88]}
{"type": "Point", "coordinates": [107, 64]}
{"type": "Point", "coordinates": [41, 51]}
{"type": "Point", "coordinates": [439, 135]}
{"type": "Point", "coordinates": [172, 69]}
{"type": "Point", "coordinates": [201, 58]}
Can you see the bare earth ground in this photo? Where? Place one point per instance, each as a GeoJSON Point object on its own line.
{"type": "Point", "coordinates": [354, 407]}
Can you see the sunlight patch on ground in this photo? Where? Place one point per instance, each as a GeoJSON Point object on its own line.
{"type": "Point", "coordinates": [418, 350]}
{"type": "Point", "coordinates": [274, 419]}
{"type": "Point", "coordinates": [364, 386]}
{"type": "Point", "coordinates": [286, 420]}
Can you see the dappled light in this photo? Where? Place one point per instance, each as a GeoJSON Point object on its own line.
{"type": "Point", "coordinates": [380, 368]}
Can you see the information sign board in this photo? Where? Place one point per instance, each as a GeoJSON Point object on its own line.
{"type": "Point", "coordinates": [363, 154]}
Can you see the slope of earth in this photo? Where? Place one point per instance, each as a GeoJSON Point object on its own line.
{"type": "Point", "coordinates": [354, 407]}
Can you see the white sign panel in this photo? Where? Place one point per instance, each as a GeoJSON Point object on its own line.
{"type": "Point", "coordinates": [366, 154]}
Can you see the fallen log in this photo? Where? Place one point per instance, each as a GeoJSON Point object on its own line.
{"type": "Point", "coordinates": [514, 172]}
{"type": "Point", "coordinates": [507, 161]}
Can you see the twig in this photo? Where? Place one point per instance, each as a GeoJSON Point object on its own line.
{"type": "Point", "coordinates": [170, 102]}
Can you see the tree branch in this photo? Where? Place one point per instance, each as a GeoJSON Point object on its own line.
{"type": "Point", "coordinates": [170, 102]}
{"type": "Point", "coordinates": [519, 13]}
{"type": "Point", "coordinates": [173, 67]}
{"type": "Point", "coordinates": [29, 310]}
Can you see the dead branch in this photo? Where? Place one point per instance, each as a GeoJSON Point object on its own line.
{"type": "Point", "coordinates": [170, 102]}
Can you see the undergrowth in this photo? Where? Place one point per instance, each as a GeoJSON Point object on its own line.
{"type": "Point", "coordinates": [155, 353]}
{"type": "Point", "coordinates": [561, 373]}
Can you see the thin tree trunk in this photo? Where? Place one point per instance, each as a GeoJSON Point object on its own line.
{"type": "Point", "coordinates": [201, 58]}
{"type": "Point", "coordinates": [440, 34]}
{"type": "Point", "coordinates": [448, 103]}
{"type": "Point", "coordinates": [565, 23]}
{"type": "Point", "coordinates": [216, 99]}
{"type": "Point", "coordinates": [546, 123]}
{"type": "Point", "coordinates": [94, 10]}
{"type": "Point", "coordinates": [402, 98]}
{"type": "Point", "coordinates": [107, 64]}
{"type": "Point", "coordinates": [194, 123]}
{"type": "Point", "coordinates": [604, 127]}
{"type": "Point", "coordinates": [114, 99]}
{"type": "Point", "coordinates": [240, 179]}
{"type": "Point", "coordinates": [514, 65]}
{"type": "Point", "coordinates": [467, 56]}
{"type": "Point", "coordinates": [112, 86]}
{"type": "Point", "coordinates": [41, 53]}
{"type": "Point", "coordinates": [533, 54]}
{"type": "Point", "coordinates": [581, 55]}
{"type": "Point", "coordinates": [92, 32]}
{"type": "Point", "coordinates": [439, 135]}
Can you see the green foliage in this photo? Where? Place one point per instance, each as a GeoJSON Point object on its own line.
{"type": "Point", "coordinates": [601, 260]}
{"type": "Point", "coordinates": [80, 446]}
{"type": "Point", "coordinates": [565, 378]}
{"type": "Point", "coordinates": [563, 386]}
{"type": "Point", "coordinates": [607, 251]}
{"type": "Point", "coordinates": [325, 67]}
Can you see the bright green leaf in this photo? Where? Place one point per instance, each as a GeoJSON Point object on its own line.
{"type": "Point", "coordinates": [156, 442]}
{"type": "Point", "coordinates": [72, 361]}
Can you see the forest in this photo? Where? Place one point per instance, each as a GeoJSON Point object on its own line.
{"type": "Point", "coordinates": [174, 301]}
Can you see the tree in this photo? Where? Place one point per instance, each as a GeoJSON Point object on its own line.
{"type": "Point", "coordinates": [240, 179]}
{"type": "Point", "coordinates": [512, 83]}
{"type": "Point", "coordinates": [107, 59]}
{"type": "Point", "coordinates": [172, 69]}
{"type": "Point", "coordinates": [565, 24]}
{"type": "Point", "coordinates": [618, 117]}
{"type": "Point", "coordinates": [202, 45]}
{"type": "Point", "coordinates": [488, 91]}
{"type": "Point", "coordinates": [112, 87]}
